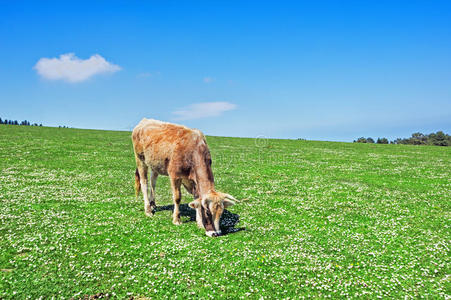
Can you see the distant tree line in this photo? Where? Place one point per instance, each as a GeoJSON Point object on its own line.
{"type": "Point", "coordinates": [437, 139]}
{"type": "Point", "coordinates": [15, 122]}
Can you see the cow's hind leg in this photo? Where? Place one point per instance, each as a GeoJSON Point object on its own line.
{"type": "Point", "coordinates": [176, 196]}
{"type": "Point", "coordinates": [153, 182]}
{"type": "Point", "coordinates": [142, 169]}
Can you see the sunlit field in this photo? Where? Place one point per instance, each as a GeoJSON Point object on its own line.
{"type": "Point", "coordinates": [313, 219]}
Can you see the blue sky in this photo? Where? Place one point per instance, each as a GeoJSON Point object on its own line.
{"type": "Point", "coordinates": [323, 70]}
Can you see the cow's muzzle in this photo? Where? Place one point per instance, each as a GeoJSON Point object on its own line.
{"type": "Point", "coordinates": [212, 233]}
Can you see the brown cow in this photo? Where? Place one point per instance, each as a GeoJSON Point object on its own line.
{"type": "Point", "coordinates": [182, 154]}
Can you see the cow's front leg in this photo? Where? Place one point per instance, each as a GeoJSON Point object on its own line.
{"type": "Point", "coordinates": [176, 196]}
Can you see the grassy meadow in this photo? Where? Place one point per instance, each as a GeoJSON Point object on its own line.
{"type": "Point", "coordinates": [313, 219]}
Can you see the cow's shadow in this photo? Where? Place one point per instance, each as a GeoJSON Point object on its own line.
{"type": "Point", "coordinates": [228, 220]}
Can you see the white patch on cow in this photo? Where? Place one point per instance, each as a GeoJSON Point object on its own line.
{"type": "Point", "coordinates": [211, 233]}
{"type": "Point", "coordinates": [197, 135]}
{"type": "Point", "coordinates": [199, 218]}
{"type": "Point", "coordinates": [216, 223]}
{"type": "Point", "coordinates": [153, 183]}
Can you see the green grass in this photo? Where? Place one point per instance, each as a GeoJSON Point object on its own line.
{"type": "Point", "coordinates": [319, 219]}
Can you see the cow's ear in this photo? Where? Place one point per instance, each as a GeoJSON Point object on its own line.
{"type": "Point", "coordinates": [194, 204]}
{"type": "Point", "coordinates": [230, 197]}
{"type": "Point", "coordinates": [228, 203]}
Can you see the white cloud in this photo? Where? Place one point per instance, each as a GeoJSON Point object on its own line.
{"type": "Point", "coordinates": [208, 79]}
{"type": "Point", "coordinates": [73, 69]}
{"type": "Point", "coordinates": [203, 110]}
{"type": "Point", "coordinates": [144, 75]}
{"type": "Point", "coordinates": [148, 74]}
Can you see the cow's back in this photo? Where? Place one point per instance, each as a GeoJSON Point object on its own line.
{"type": "Point", "coordinates": [157, 143]}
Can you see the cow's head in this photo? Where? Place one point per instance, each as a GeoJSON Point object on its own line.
{"type": "Point", "coordinates": [209, 210]}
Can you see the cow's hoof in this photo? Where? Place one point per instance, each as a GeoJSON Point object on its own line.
{"type": "Point", "coordinates": [150, 211]}
{"type": "Point", "coordinates": [177, 222]}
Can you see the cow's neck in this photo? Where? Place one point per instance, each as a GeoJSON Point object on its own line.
{"type": "Point", "coordinates": [204, 180]}
{"type": "Point", "coordinates": [205, 187]}
{"type": "Point", "coordinates": [202, 173]}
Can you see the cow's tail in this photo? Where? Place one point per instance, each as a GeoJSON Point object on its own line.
{"type": "Point", "coordinates": [137, 183]}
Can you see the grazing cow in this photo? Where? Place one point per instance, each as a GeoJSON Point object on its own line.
{"type": "Point", "coordinates": [182, 154]}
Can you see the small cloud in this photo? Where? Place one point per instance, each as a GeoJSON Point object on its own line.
{"type": "Point", "coordinates": [144, 75]}
{"type": "Point", "coordinates": [208, 79]}
{"type": "Point", "coordinates": [70, 68]}
{"type": "Point", "coordinates": [147, 74]}
{"type": "Point", "coordinates": [203, 110]}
